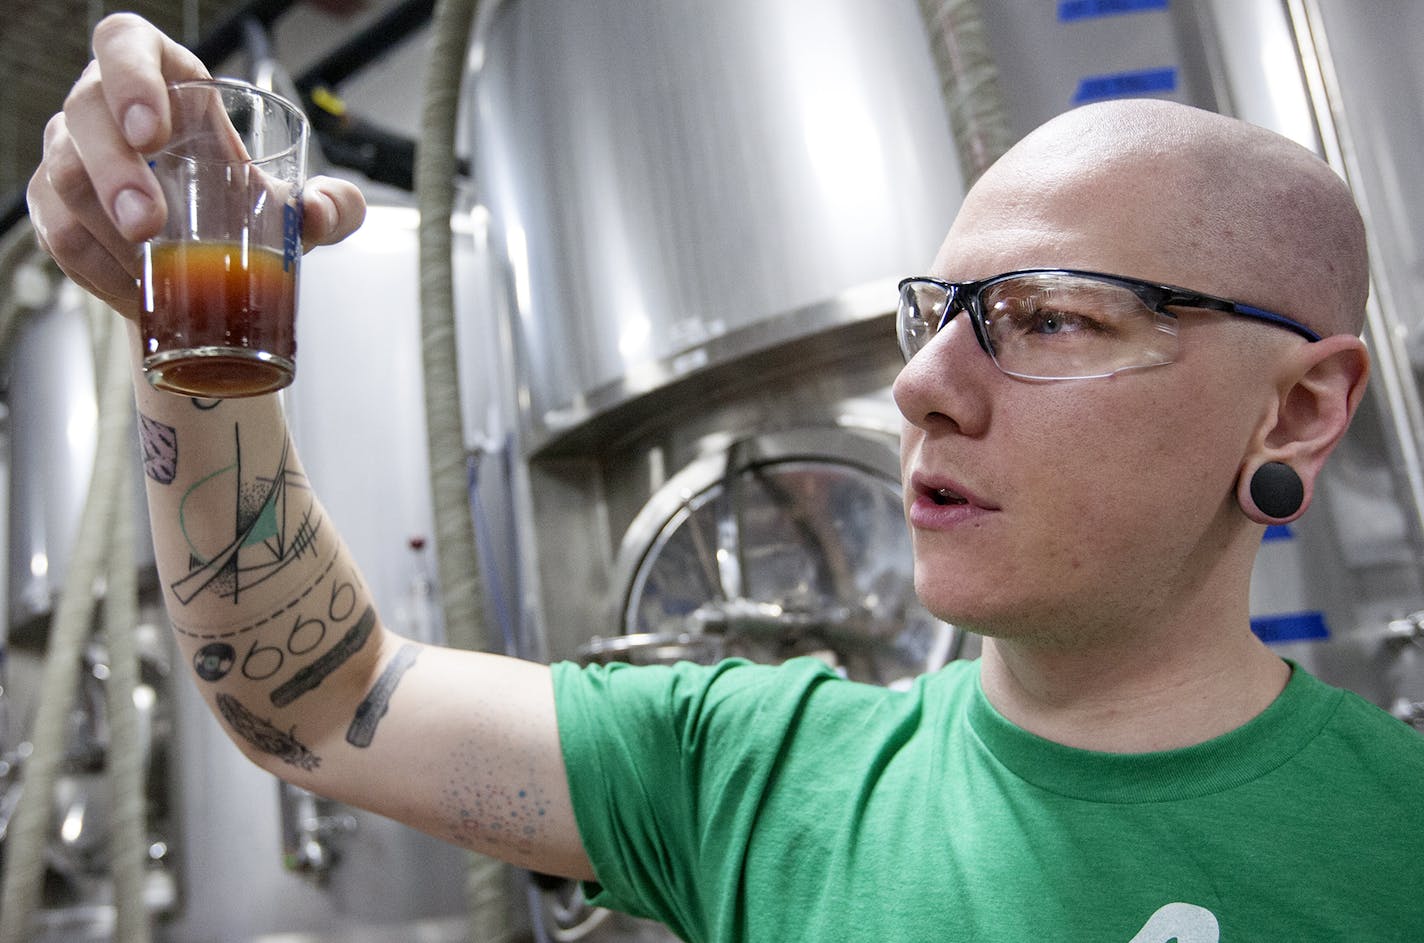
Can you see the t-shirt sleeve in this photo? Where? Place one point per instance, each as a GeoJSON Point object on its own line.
{"type": "Point", "coordinates": [667, 766]}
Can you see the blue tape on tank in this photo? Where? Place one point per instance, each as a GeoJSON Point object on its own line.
{"type": "Point", "coordinates": [1070, 10]}
{"type": "Point", "coordinates": [1277, 532]}
{"type": "Point", "coordinates": [1290, 627]}
{"type": "Point", "coordinates": [1094, 88]}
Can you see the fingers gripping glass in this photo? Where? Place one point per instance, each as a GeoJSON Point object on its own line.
{"type": "Point", "coordinates": [1062, 324]}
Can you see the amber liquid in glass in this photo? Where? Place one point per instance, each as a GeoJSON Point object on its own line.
{"type": "Point", "coordinates": [218, 319]}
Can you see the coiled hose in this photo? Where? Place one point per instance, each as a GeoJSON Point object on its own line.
{"type": "Point", "coordinates": [127, 756]}
{"type": "Point", "coordinates": [462, 596]}
{"type": "Point", "coordinates": [17, 247]}
{"type": "Point", "coordinates": [969, 83]}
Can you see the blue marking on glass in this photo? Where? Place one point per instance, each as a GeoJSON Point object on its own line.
{"type": "Point", "coordinates": [291, 234]}
{"type": "Point", "coordinates": [1094, 88]}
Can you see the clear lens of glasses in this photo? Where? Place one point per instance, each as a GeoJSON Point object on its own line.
{"type": "Point", "coordinates": [1048, 325]}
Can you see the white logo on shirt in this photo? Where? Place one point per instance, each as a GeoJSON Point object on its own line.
{"type": "Point", "coordinates": [1185, 923]}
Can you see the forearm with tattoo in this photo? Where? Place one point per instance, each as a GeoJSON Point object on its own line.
{"type": "Point", "coordinates": [260, 591]}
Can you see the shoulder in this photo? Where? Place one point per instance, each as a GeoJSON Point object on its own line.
{"type": "Point", "coordinates": [1364, 739]}
{"type": "Point", "coordinates": [618, 679]}
{"type": "Point", "coordinates": [738, 691]}
{"type": "Point", "coordinates": [686, 687]}
{"type": "Point", "coordinates": [1375, 730]}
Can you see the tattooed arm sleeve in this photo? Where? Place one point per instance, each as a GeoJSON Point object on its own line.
{"type": "Point", "coordinates": [288, 648]}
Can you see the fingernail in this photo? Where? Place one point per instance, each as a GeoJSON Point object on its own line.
{"type": "Point", "coordinates": [140, 125]}
{"type": "Point", "coordinates": [131, 209]}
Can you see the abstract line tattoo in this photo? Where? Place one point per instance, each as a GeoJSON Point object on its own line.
{"type": "Point", "coordinates": [265, 737]}
{"type": "Point", "coordinates": [159, 443]}
{"type": "Point", "coordinates": [334, 657]}
{"type": "Point", "coordinates": [278, 613]}
{"type": "Point", "coordinates": [272, 527]}
{"type": "Point", "coordinates": [374, 707]}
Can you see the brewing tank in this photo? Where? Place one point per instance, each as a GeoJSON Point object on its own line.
{"type": "Point", "coordinates": [662, 175]}
{"type": "Point", "coordinates": [50, 391]}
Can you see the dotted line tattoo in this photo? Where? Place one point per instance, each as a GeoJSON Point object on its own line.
{"type": "Point", "coordinates": [479, 812]}
{"type": "Point", "coordinates": [276, 614]}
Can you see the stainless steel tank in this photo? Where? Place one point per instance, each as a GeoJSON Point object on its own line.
{"type": "Point", "coordinates": [664, 174]}
{"type": "Point", "coordinates": [692, 203]}
{"type": "Point", "coordinates": [53, 414]}
{"type": "Point", "coordinates": [49, 382]}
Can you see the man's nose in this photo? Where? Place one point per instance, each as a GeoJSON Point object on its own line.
{"type": "Point", "coordinates": [958, 335]}
{"type": "Point", "coordinates": [946, 381]}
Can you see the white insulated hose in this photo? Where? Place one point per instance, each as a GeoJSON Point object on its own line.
{"type": "Point", "coordinates": [20, 894]}
{"type": "Point", "coordinates": [462, 596]}
{"type": "Point", "coordinates": [435, 171]}
{"type": "Point", "coordinates": [127, 755]}
{"type": "Point", "coordinates": [969, 83]}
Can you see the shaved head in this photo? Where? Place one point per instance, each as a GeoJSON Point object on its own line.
{"type": "Point", "coordinates": [1187, 197]}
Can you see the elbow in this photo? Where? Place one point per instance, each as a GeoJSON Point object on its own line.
{"type": "Point", "coordinates": [264, 742]}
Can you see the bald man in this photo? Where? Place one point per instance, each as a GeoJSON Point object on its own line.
{"type": "Point", "coordinates": [1136, 348]}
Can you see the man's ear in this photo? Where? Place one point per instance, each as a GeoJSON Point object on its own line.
{"type": "Point", "coordinates": [1320, 389]}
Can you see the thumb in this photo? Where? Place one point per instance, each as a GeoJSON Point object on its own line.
{"type": "Point", "coordinates": [332, 209]}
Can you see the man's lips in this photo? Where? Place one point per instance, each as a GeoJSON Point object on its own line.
{"type": "Point", "coordinates": [944, 492]}
{"type": "Point", "coordinates": [941, 502]}
{"type": "Point", "coordinates": [944, 496]}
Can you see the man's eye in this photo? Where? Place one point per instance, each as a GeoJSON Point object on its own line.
{"type": "Point", "coordinates": [1057, 322]}
{"type": "Point", "coordinates": [1045, 321]}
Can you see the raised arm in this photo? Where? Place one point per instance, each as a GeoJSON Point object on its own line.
{"type": "Point", "coordinates": [268, 607]}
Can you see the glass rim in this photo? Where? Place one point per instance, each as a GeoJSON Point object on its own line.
{"type": "Point", "coordinates": [293, 110]}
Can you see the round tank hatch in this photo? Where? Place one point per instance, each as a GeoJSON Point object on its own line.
{"type": "Point", "coordinates": [783, 545]}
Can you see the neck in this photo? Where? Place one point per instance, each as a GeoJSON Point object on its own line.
{"type": "Point", "coordinates": [1134, 697]}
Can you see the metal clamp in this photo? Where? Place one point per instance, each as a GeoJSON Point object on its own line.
{"type": "Point", "coordinates": [309, 823]}
{"type": "Point", "coordinates": [1408, 630]}
{"type": "Point", "coordinates": [1411, 712]}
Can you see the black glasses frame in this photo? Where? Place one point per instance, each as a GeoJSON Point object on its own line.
{"type": "Point", "coordinates": [967, 296]}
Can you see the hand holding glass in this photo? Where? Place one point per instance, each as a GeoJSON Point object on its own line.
{"type": "Point", "coordinates": [219, 283]}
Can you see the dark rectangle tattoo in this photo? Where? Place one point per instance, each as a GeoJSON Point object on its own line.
{"type": "Point", "coordinates": [374, 707]}
{"type": "Point", "coordinates": [333, 658]}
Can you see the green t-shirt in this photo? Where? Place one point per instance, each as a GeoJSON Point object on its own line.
{"type": "Point", "coordinates": [748, 802]}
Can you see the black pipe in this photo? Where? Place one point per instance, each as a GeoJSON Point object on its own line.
{"type": "Point", "coordinates": [368, 45]}
{"type": "Point", "coordinates": [228, 36]}
{"type": "Point", "coordinates": [348, 140]}
{"type": "Point", "coordinates": [382, 155]}
{"type": "Point", "coordinates": [16, 208]}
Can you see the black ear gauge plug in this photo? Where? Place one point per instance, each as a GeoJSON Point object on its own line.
{"type": "Point", "coordinates": [1277, 490]}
